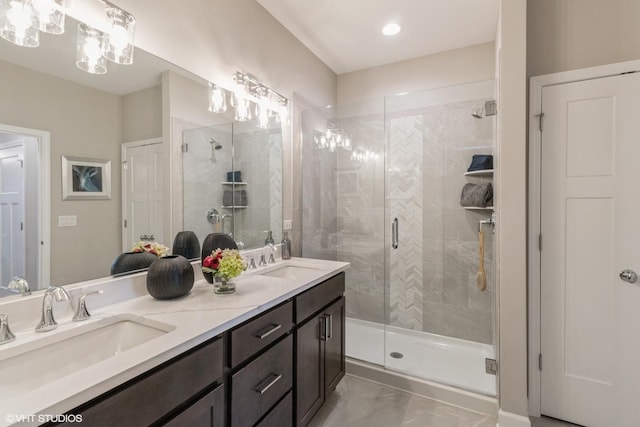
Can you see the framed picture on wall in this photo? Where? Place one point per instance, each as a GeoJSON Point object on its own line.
{"type": "Point", "coordinates": [85, 178]}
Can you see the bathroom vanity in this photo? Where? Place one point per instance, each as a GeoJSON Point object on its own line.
{"type": "Point", "coordinates": [267, 355]}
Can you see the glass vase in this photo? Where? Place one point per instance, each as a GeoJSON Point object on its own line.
{"type": "Point", "coordinates": [223, 286]}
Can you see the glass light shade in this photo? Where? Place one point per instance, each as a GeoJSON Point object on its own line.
{"type": "Point", "coordinates": [18, 24]}
{"type": "Point", "coordinates": [217, 99]}
{"type": "Point", "coordinates": [118, 44]}
{"type": "Point", "coordinates": [50, 15]}
{"type": "Point", "coordinates": [89, 50]}
{"type": "Point", "coordinates": [263, 108]}
{"type": "Point", "coordinates": [242, 108]}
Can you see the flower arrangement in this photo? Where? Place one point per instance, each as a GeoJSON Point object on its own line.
{"type": "Point", "coordinates": [224, 263]}
{"type": "Point", "coordinates": [157, 249]}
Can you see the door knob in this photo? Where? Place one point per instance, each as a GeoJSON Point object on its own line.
{"type": "Point", "coordinates": [629, 276]}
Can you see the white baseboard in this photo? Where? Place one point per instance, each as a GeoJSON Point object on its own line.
{"type": "Point", "coordinates": [508, 419]}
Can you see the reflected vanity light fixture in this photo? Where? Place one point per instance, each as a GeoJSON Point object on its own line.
{"type": "Point", "coordinates": [217, 99]}
{"type": "Point", "coordinates": [248, 94]}
{"type": "Point", "coordinates": [18, 23]}
{"type": "Point", "coordinates": [119, 36]}
{"type": "Point", "coordinates": [332, 139]}
{"type": "Point", "coordinates": [89, 49]}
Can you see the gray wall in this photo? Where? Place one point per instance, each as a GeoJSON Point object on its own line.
{"type": "Point", "coordinates": [83, 122]}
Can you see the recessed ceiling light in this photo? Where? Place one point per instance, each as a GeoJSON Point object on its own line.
{"type": "Point", "coordinates": [391, 29]}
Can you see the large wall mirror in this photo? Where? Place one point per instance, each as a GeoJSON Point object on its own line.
{"type": "Point", "coordinates": [146, 129]}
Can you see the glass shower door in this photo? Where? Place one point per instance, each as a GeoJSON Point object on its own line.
{"type": "Point", "coordinates": [439, 324]}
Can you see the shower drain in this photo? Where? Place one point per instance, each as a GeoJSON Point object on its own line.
{"type": "Point", "coordinates": [396, 355]}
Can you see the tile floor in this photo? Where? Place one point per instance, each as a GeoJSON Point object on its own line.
{"type": "Point", "coordinates": [361, 403]}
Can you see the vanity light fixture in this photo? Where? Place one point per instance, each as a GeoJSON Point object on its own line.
{"type": "Point", "coordinates": [18, 23]}
{"type": "Point", "coordinates": [50, 15]}
{"type": "Point", "coordinates": [89, 50]}
{"type": "Point", "coordinates": [119, 36]}
{"type": "Point", "coordinates": [217, 99]}
{"type": "Point", "coordinates": [249, 93]}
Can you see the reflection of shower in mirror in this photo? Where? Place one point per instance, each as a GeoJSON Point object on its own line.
{"type": "Point", "coordinates": [215, 145]}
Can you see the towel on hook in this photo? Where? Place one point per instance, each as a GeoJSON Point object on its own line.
{"type": "Point", "coordinates": [477, 195]}
{"type": "Point", "coordinates": [481, 162]}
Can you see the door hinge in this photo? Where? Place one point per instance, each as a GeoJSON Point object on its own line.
{"type": "Point", "coordinates": [491, 366]}
{"type": "Point", "coordinates": [539, 242]}
{"type": "Point", "coordinates": [22, 226]}
{"type": "Point", "coordinates": [184, 147]}
{"type": "Point", "coordinates": [540, 120]}
{"type": "Point", "coordinates": [540, 362]}
{"type": "Point", "coordinates": [125, 223]}
{"type": "Point", "coordinates": [125, 165]}
{"type": "Point", "coordinates": [21, 163]}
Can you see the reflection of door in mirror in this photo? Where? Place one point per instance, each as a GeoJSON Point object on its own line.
{"type": "Point", "coordinates": [20, 206]}
{"type": "Point", "coordinates": [142, 192]}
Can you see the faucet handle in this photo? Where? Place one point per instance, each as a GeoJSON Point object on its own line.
{"type": "Point", "coordinates": [252, 264]}
{"type": "Point", "coordinates": [273, 250]}
{"type": "Point", "coordinates": [81, 311]}
{"type": "Point", "coordinates": [5, 333]}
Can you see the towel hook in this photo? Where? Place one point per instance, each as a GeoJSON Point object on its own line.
{"type": "Point", "coordinates": [489, 221]}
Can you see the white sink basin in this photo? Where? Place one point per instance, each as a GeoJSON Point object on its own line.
{"type": "Point", "coordinates": [38, 362]}
{"type": "Point", "coordinates": [293, 272]}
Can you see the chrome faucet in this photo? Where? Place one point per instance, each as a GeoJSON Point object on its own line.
{"type": "Point", "coordinates": [20, 285]}
{"type": "Point", "coordinates": [272, 250]}
{"type": "Point", "coordinates": [81, 311]}
{"type": "Point", "coordinates": [5, 333]}
{"type": "Point", "coordinates": [47, 322]}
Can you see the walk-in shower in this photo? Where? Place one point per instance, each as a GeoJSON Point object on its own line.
{"type": "Point", "coordinates": [390, 205]}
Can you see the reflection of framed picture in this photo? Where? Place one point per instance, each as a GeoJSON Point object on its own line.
{"type": "Point", "coordinates": [85, 179]}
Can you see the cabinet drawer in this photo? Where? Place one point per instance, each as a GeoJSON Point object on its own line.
{"type": "Point", "coordinates": [151, 397]}
{"type": "Point", "coordinates": [318, 297]}
{"type": "Point", "coordinates": [281, 415]}
{"type": "Point", "coordinates": [252, 337]}
{"type": "Point", "coordinates": [260, 384]}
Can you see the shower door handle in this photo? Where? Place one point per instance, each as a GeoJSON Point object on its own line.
{"type": "Point", "coordinates": [395, 237]}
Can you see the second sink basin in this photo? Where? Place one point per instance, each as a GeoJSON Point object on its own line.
{"type": "Point", "coordinates": [33, 364]}
{"type": "Point", "coordinates": [293, 271]}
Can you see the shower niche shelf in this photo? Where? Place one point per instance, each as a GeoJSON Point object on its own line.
{"type": "Point", "coordinates": [484, 172]}
{"type": "Point", "coordinates": [233, 183]}
{"type": "Point", "coordinates": [478, 208]}
{"type": "Point", "coordinates": [234, 207]}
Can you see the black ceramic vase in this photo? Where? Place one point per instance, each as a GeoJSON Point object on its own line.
{"type": "Point", "coordinates": [212, 242]}
{"type": "Point", "coordinates": [132, 261]}
{"type": "Point", "coordinates": [186, 244]}
{"type": "Point", "coordinates": [170, 277]}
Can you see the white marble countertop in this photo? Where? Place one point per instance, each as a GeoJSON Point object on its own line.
{"type": "Point", "coordinates": [196, 317]}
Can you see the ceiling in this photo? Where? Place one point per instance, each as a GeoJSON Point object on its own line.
{"type": "Point", "coordinates": [347, 34]}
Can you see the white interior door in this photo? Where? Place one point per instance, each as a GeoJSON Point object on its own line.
{"type": "Point", "coordinates": [590, 223]}
{"type": "Point", "coordinates": [12, 246]}
{"type": "Point", "coordinates": [143, 197]}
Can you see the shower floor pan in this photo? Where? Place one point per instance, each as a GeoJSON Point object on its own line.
{"type": "Point", "coordinates": [434, 357]}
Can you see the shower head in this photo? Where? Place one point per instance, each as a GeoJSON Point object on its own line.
{"type": "Point", "coordinates": [478, 113]}
{"type": "Point", "coordinates": [216, 145]}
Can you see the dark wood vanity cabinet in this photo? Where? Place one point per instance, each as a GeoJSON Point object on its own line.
{"type": "Point", "coordinates": [320, 351]}
{"type": "Point", "coordinates": [274, 370]}
{"type": "Point", "coordinates": [185, 387]}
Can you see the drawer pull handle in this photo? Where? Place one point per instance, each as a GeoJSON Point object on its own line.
{"type": "Point", "coordinates": [270, 380]}
{"type": "Point", "coordinates": [272, 329]}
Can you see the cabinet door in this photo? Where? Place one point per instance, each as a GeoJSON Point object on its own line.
{"type": "Point", "coordinates": [309, 369]}
{"type": "Point", "coordinates": [334, 346]}
{"type": "Point", "coordinates": [206, 412]}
